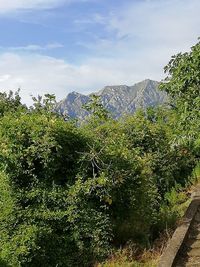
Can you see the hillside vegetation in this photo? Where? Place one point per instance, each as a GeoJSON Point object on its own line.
{"type": "Point", "coordinates": [71, 194]}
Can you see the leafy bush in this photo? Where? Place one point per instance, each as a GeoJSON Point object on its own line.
{"type": "Point", "coordinates": [141, 166]}
{"type": "Point", "coordinates": [39, 160]}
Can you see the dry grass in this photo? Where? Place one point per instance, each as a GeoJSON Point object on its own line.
{"type": "Point", "coordinates": [132, 256]}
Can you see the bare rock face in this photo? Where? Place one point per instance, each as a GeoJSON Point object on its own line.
{"type": "Point", "coordinates": [118, 99]}
{"type": "Point", "coordinates": [72, 105]}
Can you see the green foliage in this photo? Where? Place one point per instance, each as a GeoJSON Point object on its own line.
{"type": "Point", "coordinates": [141, 165]}
{"type": "Point", "coordinates": [46, 104]}
{"type": "Point", "coordinates": [97, 113]}
{"type": "Point", "coordinates": [35, 147]}
{"type": "Point", "coordinates": [183, 86]}
{"type": "Point", "coordinates": [39, 159]}
{"type": "Point", "coordinates": [182, 82]}
{"type": "Point", "coordinates": [68, 193]}
{"type": "Point", "coordinates": [10, 102]}
{"type": "Point", "coordinates": [172, 208]}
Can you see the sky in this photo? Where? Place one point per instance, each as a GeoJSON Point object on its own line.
{"type": "Point", "coordinates": [59, 46]}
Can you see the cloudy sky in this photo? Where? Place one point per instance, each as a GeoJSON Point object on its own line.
{"type": "Point", "coordinates": [58, 46]}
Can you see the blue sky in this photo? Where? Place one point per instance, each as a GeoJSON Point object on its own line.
{"type": "Point", "coordinates": [58, 46]}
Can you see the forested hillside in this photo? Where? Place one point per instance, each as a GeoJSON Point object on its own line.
{"type": "Point", "coordinates": [71, 194]}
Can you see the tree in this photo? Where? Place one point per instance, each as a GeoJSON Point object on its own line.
{"type": "Point", "coordinates": [45, 104]}
{"type": "Point", "coordinates": [10, 102]}
{"type": "Point", "coordinates": [183, 87]}
{"type": "Point", "coordinates": [183, 80]}
{"type": "Point", "coordinates": [96, 109]}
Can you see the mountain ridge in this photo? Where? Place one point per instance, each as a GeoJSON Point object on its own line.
{"type": "Point", "coordinates": [117, 99]}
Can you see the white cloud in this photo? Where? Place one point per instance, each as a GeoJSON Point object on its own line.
{"type": "Point", "coordinates": [37, 74]}
{"type": "Point", "coordinates": [95, 18]}
{"type": "Point", "coordinates": [4, 77]}
{"type": "Point", "coordinates": [172, 24]}
{"type": "Point", "coordinates": [14, 5]}
{"type": "Point", "coordinates": [10, 5]}
{"type": "Point", "coordinates": [34, 47]}
{"type": "Point", "coordinates": [147, 34]}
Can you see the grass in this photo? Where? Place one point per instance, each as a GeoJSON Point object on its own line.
{"type": "Point", "coordinates": [196, 172]}
{"type": "Point", "coordinates": [122, 259]}
{"type": "Point", "coordinates": [131, 256]}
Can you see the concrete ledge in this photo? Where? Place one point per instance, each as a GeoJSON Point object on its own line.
{"type": "Point", "coordinates": [170, 253]}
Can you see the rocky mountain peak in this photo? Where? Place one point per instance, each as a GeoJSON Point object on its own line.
{"type": "Point", "coordinates": [118, 99]}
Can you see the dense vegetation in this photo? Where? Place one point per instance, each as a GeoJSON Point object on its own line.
{"type": "Point", "coordinates": [69, 193]}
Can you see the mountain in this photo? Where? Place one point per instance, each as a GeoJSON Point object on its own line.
{"type": "Point", "coordinates": [118, 99]}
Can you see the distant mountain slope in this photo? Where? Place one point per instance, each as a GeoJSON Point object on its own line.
{"type": "Point", "coordinates": [118, 100]}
